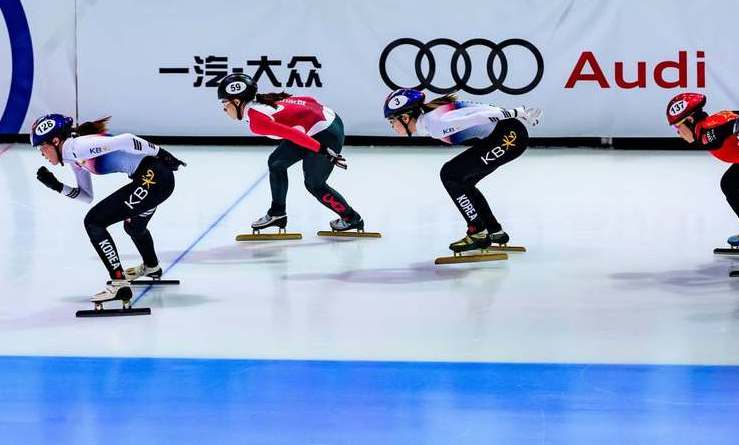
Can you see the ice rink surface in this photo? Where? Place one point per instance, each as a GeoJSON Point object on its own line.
{"type": "Point", "coordinates": [619, 325]}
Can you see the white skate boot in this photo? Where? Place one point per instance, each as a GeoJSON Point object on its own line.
{"type": "Point", "coordinates": [116, 290]}
{"type": "Point", "coordinates": [268, 221]}
{"type": "Point", "coordinates": [142, 270]}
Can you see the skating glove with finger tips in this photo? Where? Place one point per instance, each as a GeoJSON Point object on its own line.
{"type": "Point", "coordinates": [531, 116]}
{"type": "Point", "coordinates": [333, 157]}
{"type": "Point", "coordinates": [48, 179]}
{"type": "Point", "coordinates": [169, 160]}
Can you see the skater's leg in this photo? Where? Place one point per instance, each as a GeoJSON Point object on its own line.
{"type": "Point", "coordinates": [460, 175]}
{"type": "Point", "coordinates": [141, 237]}
{"type": "Point", "coordinates": [96, 223]}
{"type": "Point", "coordinates": [285, 155]}
{"type": "Point", "coordinates": [455, 175]}
{"type": "Point", "coordinates": [730, 187]}
{"type": "Point", "coordinates": [317, 168]}
{"type": "Point", "coordinates": [151, 185]}
{"type": "Point", "coordinates": [489, 220]}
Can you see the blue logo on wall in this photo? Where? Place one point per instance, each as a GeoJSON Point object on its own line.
{"type": "Point", "coordinates": [21, 82]}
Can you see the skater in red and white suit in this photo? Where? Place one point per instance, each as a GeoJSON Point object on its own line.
{"type": "Point", "coordinates": [310, 132]}
{"type": "Point", "coordinates": [717, 132]}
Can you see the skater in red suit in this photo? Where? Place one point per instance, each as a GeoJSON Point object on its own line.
{"type": "Point", "coordinates": [310, 132]}
{"type": "Point", "coordinates": [717, 132]}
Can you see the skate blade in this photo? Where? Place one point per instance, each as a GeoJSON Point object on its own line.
{"type": "Point", "coordinates": [724, 251]}
{"type": "Point", "coordinates": [113, 312]}
{"type": "Point", "coordinates": [505, 248]}
{"type": "Point", "coordinates": [456, 259]}
{"type": "Point", "coordinates": [152, 282]}
{"type": "Point", "coordinates": [734, 273]}
{"type": "Point", "coordinates": [350, 234]}
{"type": "Point", "coordinates": [269, 236]}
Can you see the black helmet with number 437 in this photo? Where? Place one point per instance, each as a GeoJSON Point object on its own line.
{"type": "Point", "coordinates": [237, 86]}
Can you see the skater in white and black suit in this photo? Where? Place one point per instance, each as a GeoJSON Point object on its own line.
{"type": "Point", "coordinates": [495, 137]}
{"type": "Point", "coordinates": [88, 151]}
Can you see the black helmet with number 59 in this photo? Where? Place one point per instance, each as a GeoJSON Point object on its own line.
{"type": "Point", "coordinates": [237, 86]}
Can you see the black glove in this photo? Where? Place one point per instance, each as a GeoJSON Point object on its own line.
{"type": "Point", "coordinates": [169, 160]}
{"type": "Point", "coordinates": [48, 179]}
{"type": "Point", "coordinates": [333, 157]}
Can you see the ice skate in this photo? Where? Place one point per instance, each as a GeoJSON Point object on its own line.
{"type": "Point", "coordinates": [499, 243]}
{"type": "Point", "coordinates": [279, 221]}
{"type": "Point", "coordinates": [116, 290]}
{"type": "Point", "coordinates": [733, 242]}
{"type": "Point", "coordinates": [471, 241]}
{"type": "Point", "coordinates": [479, 240]}
{"type": "Point", "coordinates": [342, 228]}
{"type": "Point", "coordinates": [135, 274]}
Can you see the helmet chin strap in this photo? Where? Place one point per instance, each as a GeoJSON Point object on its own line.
{"type": "Point", "coordinates": [58, 149]}
{"type": "Point", "coordinates": [240, 109]}
{"type": "Point", "coordinates": [405, 125]}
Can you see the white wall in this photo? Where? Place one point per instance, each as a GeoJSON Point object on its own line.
{"type": "Point", "coordinates": [123, 45]}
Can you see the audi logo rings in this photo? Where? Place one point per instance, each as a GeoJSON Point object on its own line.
{"type": "Point", "coordinates": [460, 80]}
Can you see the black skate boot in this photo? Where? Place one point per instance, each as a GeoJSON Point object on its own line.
{"type": "Point", "coordinates": [353, 222]}
{"type": "Point", "coordinates": [472, 241]}
{"type": "Point", "coordinates": [500, 238]}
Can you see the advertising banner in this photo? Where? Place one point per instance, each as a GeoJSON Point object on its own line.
{"type": "Point", "coordinates": [597, 68]}
{"type": "Point", "coordinates": [37, 69]}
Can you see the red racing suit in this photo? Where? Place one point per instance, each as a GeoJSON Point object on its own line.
{"type": "Point", "coordinates": [719, 133]}
{"type": "Point", "coordinates": [295, 118]}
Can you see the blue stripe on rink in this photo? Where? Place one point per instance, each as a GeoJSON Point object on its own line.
{"type": "Point", "coordinates": [207, 231]}
{"type": "Point", "coordinates": [185, 401]}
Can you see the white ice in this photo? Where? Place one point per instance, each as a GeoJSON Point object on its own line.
{"type": "Point", "coordinates": [620, 266]}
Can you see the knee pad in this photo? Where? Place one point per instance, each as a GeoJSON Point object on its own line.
{"type": "Point", "coordinates": [133, 230]}
{"type": "Point", "coordinates": [447, 173]}
{"type": "Point", "coordinates": [728, 186]}
{"type": "Point", "coordinates": [274, 162]}
{"type": "Point", "coordinates": [93, 226]}
{"type": "Point", "coordinates": [314, 187]}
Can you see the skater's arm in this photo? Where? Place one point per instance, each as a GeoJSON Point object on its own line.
{"type": "Point", "coordinates": [262, 124]}
{"type": "Point", "coordinates": [89, 147]}
{"type": "Point", "coordinates": [715, 137]}
{"type": "Point", "coordinates": [133, 144]}
{"type": "Point", "coordinates": [83, 191]}
{"type": "Point", "coordinates": [459, 120]}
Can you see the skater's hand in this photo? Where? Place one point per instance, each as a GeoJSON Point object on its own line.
{"type": "Point", "coordinates": [531, 116]}
{"type": "Point", "coordinates": [334, 158]}
{"type": "Point", "coordinates": [169, 160]}
{"type": "Point", "coordinates": [48, 179]}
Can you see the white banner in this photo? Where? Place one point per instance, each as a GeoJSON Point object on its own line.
{"type": "Point", "coordinates": [598, 68]}
{"type": "Point", "coordinates": [37, 52]}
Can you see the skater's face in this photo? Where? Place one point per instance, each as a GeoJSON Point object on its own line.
{"type": "Point", "coordinates": [398, 127]}
{"type": "Point", "coordinates": [684, 131]}
{"type": "Point", "coordinates": [230, 108]}
{"type": "Point", "coordinates": [49, 151]}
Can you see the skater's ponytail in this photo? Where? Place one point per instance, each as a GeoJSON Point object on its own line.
{"type": "Point", "coordinates": [99, 126]}
{"type": "Point", "coordinates": [271, 99]}
{"type": "Point", "coordinates": [439, 101]}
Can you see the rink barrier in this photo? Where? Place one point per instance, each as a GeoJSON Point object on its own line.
{"type": "Point", "coordinates": [372, 141]}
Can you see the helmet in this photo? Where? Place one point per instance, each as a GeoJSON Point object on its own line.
{"type": "Point", "coordinates": [237, 86]}
{"type": "Point", "coordinates": [404, 100]}
{"type": "Point", "coordinates": [49, 126]}
{"type": "Point", "coordinates": [683, 105]}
